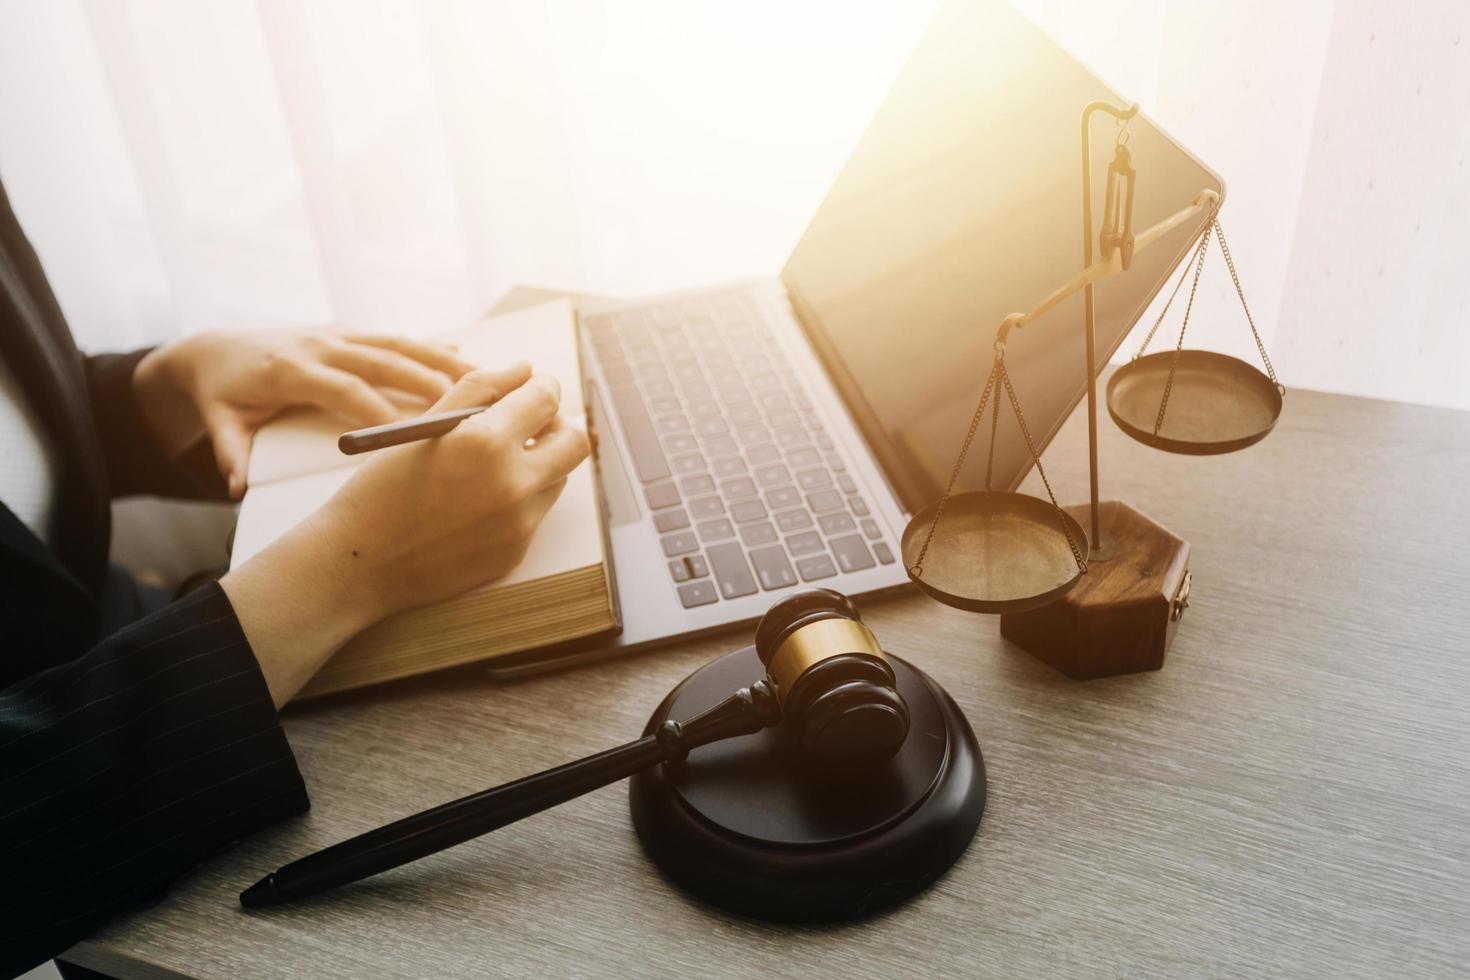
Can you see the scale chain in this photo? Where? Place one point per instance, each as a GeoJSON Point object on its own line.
{"type": "Point", "coordinates": [1204, 244]}
{"type": "Point", "coordinates": [918, 566]}
{"type": "Point", "coordinates": [1010, 390]}
{"type": "Point", "coordinates": [1183, 275]}
{"type": "Point", "coordinates": [1230, 264]}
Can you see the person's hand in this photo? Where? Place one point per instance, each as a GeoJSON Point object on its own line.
{"type": "Point", "coordinates": [431, 519]}
{"type": "Point", "coordinates": [227, 385]}
{"type": "Point", "coordinates": [414, 525]}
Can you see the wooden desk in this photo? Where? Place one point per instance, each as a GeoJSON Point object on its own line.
{"type": "Point", "coordinates": [1290, 795]}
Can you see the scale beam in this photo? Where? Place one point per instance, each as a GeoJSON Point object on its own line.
{"type": "Point", "coordinates": [1110, 264]}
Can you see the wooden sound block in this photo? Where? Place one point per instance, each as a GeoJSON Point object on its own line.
{"type": "Point", "coordinates": [1120, 617]}
{"type": "Point", "coordinates": [750, 825]}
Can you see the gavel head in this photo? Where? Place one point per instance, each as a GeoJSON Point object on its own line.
{"type": "Point", "coordinates": [836, 689]}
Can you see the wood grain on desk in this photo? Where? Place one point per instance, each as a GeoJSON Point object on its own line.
{"type": "Point", "coordinates": [1289, 795]}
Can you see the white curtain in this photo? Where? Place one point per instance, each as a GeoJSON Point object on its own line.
{"type": "Point", "coordinates": [185, 164]}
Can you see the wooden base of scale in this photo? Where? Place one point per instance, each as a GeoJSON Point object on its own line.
{"type": "Point", "coordinates": [1119, 618]}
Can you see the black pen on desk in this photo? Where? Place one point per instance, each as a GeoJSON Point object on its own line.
{"type": "Point", "coordinates": [407, 430]}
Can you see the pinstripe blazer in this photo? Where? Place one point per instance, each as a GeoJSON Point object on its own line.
{"type": "Point", "coordinates": [129, 751]}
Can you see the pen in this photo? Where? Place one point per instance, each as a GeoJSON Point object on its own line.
{"type": "Point", "coordinates": [408, 430]}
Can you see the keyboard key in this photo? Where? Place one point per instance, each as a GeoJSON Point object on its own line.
{"type": "Point", "coordinates": [814, 478]}
{"type": "Point", "coordinates": [662, 495]}
{"type": "Point", "coordinates": [835, 462]}
{"type": "Point", "coordinates": [680, 544]}
{"type": "Point", "coordinates": [697, 594]}
{"type": "Point", "coordinates": [751, 432]}
{"type": "Point", "coordinates": [689, 463]}
{"type": "Point", "coordinates": [681, 443]}
{"type": "Point", "coordinates": [836, 523]}
{"type": "Point", "coordinates": [670, 520]}
{"type": "Point", "coordinates": [768, 476]}
{"type": "Point", "coordinates": [781, 418]}
{"type": "Point", "coordinates": [704, 408]}
{"type": "Point", "coordinates": [783, 497]}
{"type": "Point", "coordinates": [791, 438]}
{"type": "Point", "coordinates": [696, 565]}
{"type": "Point", "coordinates": [824, 500]}
{"type": "Point", "coordinates": [772, 568]}
{"type": "Point", "coordinates": [741, 486]}
{"type": "Point", "coordinates": [815, 567]}
{"type": "Point", "coordinates": [702, 507]}
{"type": "Point", "coordinates": [824, 443]}
{"type": "Point", "coordinates": [793, 520]}
{"type": "Point", "coordinates": [658, 386]}
{"type": "Point", "coordinates": [805, 543]}
{"type": "Point", "coordinates": [884, 553]}
{"type": "Point", "coordinates": [720, 445]}
{"type": "Point", "coordinates": [711, 427]}
{"type": "Point", "coordinates": [729, 466]}
{"type": "Point", "coordinates": [870, 528]}
{"type": "Point", "coordinates": [845, 483]}
{"type": "Point", "coordinates": [852, 554]}
{"type": "Point", "coordinates": [732, 572]}
{"type": "Point", "coordinates": [668, 424]}
{"type": "Point", "coordinates": [745, 511]}
{"type": "Point", "coordinates": [804, 456]}
{"type": "Point", "coordinates": [743, 413]}
{"type": "Point", "coordinates": [715, 530]}
{"type": "Point", "coordinates": [858, 506]}
{"type": "Point", "coordinates": [762, 453]}
{"type": "Point", "coordinates": [696, 485]}
{"type": "Point", "coordinates": [664, 405]}
{"type": "Point", "coordinates": [679, 570]}
{"type": "Point", "coordinates": [642, 438]}
{"type": "Point", "coordinates": [757, 534]}
{"type": "Point", "coordinates": [774, 401]}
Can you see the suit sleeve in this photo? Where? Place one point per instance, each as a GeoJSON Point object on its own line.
{"type": "Point", "coordinates": [123, 768]}
{"type": "Point", "coordinates": [135, 462]}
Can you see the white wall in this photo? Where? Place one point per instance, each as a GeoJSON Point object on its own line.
{"type": "Point", "coordinates": [190, 163]}
{"type": "Point", "coordinates": [1378, 294]}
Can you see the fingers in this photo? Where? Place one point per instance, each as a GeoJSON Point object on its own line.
{"type": "Point", "coordinates": [484, 387]}
{"type": "Point", "coordinates": [231, 439]}
{"type": "Point", "coordinates": [340, 392]}
{"type": "Point", "coordinates": [388, 369]}
{"type": "Point", "coordinates": [438, 358]}
{"type": "Point", "coordinates": [524, 411]}
{"type": "Point", "coordinates": [559, 448]}
{"type": "Point", "coordinates": [534, 508]}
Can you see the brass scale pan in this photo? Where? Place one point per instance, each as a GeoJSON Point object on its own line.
{"type": "Point", "coordinates": [995, 553]}
{"type": "Point", "coordinates": [1217, 403]}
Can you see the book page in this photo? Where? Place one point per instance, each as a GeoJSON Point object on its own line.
{"type": "Point", "coordinates": [302, 466]}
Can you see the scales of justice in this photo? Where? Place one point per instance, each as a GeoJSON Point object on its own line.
{"type": "Point", "coordinates": [1106, 600]}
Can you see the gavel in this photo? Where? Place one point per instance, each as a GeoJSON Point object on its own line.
{"type": "Point", "coordinates": [827, 682]}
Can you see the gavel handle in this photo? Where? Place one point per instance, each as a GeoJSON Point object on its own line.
{"type": "Point", "coordinates": [444, 826]}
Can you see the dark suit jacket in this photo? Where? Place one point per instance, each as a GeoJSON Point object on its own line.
{"type": "Point", "coordinates": [128, 753]}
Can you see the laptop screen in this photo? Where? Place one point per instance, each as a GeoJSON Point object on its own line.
{"type": "Point", "coordinates": [962, 204]}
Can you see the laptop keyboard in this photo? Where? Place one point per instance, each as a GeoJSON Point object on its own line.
{"type": "Point", "coordinates": [747, 489]}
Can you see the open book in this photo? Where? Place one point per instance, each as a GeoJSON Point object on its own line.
{"type": "Point", "coordinates": [562, 590]}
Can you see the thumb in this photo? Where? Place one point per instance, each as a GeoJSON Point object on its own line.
{"type": "Point", "coordinates": [232, 440]}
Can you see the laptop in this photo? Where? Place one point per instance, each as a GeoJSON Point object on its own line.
{"type": "Point", "coordinates": [770, 435]}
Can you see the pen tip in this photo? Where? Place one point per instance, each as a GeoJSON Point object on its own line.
{"type": "Point", "coordinates": [260, 894]}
